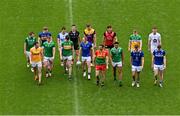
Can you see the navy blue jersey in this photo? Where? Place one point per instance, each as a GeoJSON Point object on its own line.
{"type": "Point", "coordinates": [137, 58]}
{"type": "Point", "coordinates": [44, 34]}
{"type": "Point", "coordinates": [159, 57]}
{"type": "Point", "coordinates": [86, 49]}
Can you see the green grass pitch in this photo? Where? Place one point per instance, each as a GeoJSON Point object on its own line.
{"type": "Point", "coordinates": [20, 95]}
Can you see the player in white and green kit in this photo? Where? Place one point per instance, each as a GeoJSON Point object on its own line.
{"type": "Point", "coordinates": [49, 54]}
{"type": "Point", "coordinates": [28, 44]}
{"type": "Point", "coordinates": [117, 59]}
{"type": "Point", "coordinates": [67, 55]}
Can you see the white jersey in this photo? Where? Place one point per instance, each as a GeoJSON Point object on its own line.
{"type": "Point", "coordinates": [155, 39]}
{"type": "Point", "coordinates": [62, 36]}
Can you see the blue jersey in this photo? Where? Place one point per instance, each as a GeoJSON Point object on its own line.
{"type": "Point", "coordinates": [44, 34]}
{"type": "Point", "coordinates": [137, 58]}
{"type": "Point", "coordinates": [159, 57]}
{"type": "Point", "coordinates": [86, 49]}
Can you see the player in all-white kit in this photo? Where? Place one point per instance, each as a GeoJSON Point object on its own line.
{"type": "Point", "coordinates": [154, 40]}
{"type": "Point", "coordinates": [60, 38]}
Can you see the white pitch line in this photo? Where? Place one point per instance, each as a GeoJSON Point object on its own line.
{"type": "Point", "coordinates": [76, 101]}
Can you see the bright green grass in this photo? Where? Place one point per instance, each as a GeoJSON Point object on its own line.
{"type": "Point", "coordinates": [19, 94]}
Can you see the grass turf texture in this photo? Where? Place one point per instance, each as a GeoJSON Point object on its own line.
{"type": "Point", "coordinates": [19, 94]}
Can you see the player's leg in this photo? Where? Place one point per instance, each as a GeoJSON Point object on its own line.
{"type": "Point", "coordinates": [65, 64]}
{"type": "Point", "coordinates": [28, 59]}
{"type": "Point", "coordinates": [39, 65]}
{"type": "Point", "coordinates": [138, 78]}
{"type": "Point", "coordinates": [97, 76]}
{"type": "Point", "coordinates": [45, 65]}
{"type": "Point", "coordinates": [35, 70]}
{"type": "Point", "coordinates": [114, 70]}
{"type": "Point", "coordinates": [84, 66]}
{"type": "Point", "coordinates": [50, 66]}
{"type": "Point", "coordinates": [103, 77]}
{"type": "Point", "coordinates": [88, 61]}
{"type": "Point", "coordinates": [133, 76]}
{"type": "Point", "coordinates": [156, 71]}
{"type": "Point", "coordinates": [161, 71]}
{"type": "Point", "coordinates": [69, 65]}
{"type": "Point", "coordinates": [120, 75]}
{"type": "Point", "coordinates": [61, 57]}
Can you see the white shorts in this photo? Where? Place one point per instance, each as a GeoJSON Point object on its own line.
{"type": "Point", "coordinates": [136, 68]}
{"type": "Point", "coordinates": [27, 54]}
{"type": "Point", "coordinates": [36, 64]}
{"type": "Point", "coordinates": [48, 59]}
{"type": "Point", "coordinates": [67, 57]}
{"type": "Point", "coordinates": [159, 67]}
{"type": "Point", "coordinates": [88, 59]}
{"type": "Point", "coordinates": [118, 64]}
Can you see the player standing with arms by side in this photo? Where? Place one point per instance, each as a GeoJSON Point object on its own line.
{"type": "Point", "coordinates": [101, 64]}
{"type": "Point", "coordinates": [159, 61]}
{"type": "Point", "coordinates": [137, 62]}
{"type": "Point", "coordinates": [67, 54]}
{"type": "Point", "coordinates": [75, 38]}
{"type": "Point", "coordinates": [153, 41]}
{"type": "Point", "coordinates": [109, 37]}
{"type": "Point", "coordinates": [60, 39]}
{"type": "Point", "coordinates": [28, 44]}
{"type": "Point", "coordinates": [86, 50]}
{"type": "Point", "coordinates": [49, 54]}
{"type": "Point", "coordinates": [117, 60]}
{"type": "Point", "coordinates": [36, 56]}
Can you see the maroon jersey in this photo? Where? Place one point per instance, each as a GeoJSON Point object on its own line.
{"type": "Point", "coordinates": [109, 38]}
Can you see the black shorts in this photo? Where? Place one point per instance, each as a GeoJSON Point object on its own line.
{"type": "Point", "coordinates": [109, 47]}
{"type": "Point", "coordinates": [76, 47]}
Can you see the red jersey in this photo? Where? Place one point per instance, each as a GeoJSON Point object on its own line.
{"type": "Point", "coordinates": [109, 38]}
{"type": "Point", "coordinates": [101, 57]}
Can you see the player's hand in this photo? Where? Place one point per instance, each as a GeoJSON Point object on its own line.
{"type": "Point", "coordinates": [142, 67]}
{"type": "Point", "coordinates": [107, 67]}
{"type": "Point", "coordinates": [149, 49]}
{"type": "Point", "coordinates": [24, 52]}
{"type": "Point", "coordinates": [129, 49]}
{"type": "Point", "coordinates": [164, 66]}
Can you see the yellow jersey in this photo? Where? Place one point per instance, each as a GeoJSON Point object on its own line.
{"type": "Point", "coordinates": [36, 54]}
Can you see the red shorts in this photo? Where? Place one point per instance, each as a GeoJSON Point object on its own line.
{"type": "Point", "coordinates": [101, 67]}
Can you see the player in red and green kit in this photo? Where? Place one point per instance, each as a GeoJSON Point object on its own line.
{"type": "Point", "coordinates": [28, 44]}
{"type": "Point", "coordinates": [101, 63]}
{"type": "Point", "coordinates": [67, 55]}
{"type": "Point", "coordinates": [49, 54]}
{"type": "Point", "coordinates": [117, 59]}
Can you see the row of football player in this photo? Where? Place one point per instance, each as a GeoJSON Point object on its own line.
{"type": "Point", "coordinates": [68, 43]}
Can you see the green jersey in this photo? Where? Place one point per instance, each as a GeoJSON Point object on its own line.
{"type": "Point", "coordinates": [135, 37]}
{"type": "Point", "coordinates": [30, 41]}
{"type": "Point", "coordinates": [116, 54]}
{"type": "Point", "coordinates": [48, 48]}
{"type": "Point", "coordinates": [67, 48]}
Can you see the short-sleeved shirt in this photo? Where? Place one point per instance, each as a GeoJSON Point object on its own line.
{"type": "Point", "coordinates": [159, 57]}
{"type": "Point", "coordinates": [62, 36]}
{"type": "Point", "coordinates": [36, 54]}
{"type": "Point", "coordinates": [101, 57]}
{"type": "Point", "coordinates": [48, 48]}
{"type": "Point", "coordinates": [74, 37]}
{"type": "Point", "coordinates": [90, 35]}
{"type": "Point", "coordinates": [86, 49]}
{"type": "Point", "coordinates": [44, 34]}
{"type": "Point", "coordinates": [30, 41]}
{"type": "Point", "coordinates": [137, 58]}
{"type": "Point", "coordinates": [116, 54]}
{"type": "Point", "coordinates": [67, 48]}
{"type": "Point", "coordinates": [155, 39]}
{"type": "Point", "coordinates": [135, 39]}
{"type": "Point", "coordinates": [109, 38]}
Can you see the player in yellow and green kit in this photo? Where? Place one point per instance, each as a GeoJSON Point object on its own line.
{"type": "Point", "coordinates": [49, 54]}
{"type": "Point", "coordinates": [117, 60]}
{"type": "Point", "coordinates": [135, 39]}
{"type": "Point", "coordinates": [28, 44]}
{"type": "Point", "coordinates": [67, 55]}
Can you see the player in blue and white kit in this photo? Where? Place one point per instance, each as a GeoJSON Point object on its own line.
{"type": "Point", "coordinates": [159, 61]}
{"type": "Point", "coordinates": [60, 39]}
{"type": "Point", "coordinates": [43, 35]}
{"type": "Point", "coordinates": [137, 62]}
{"type": "Point", "coordinates": [86, 50]}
